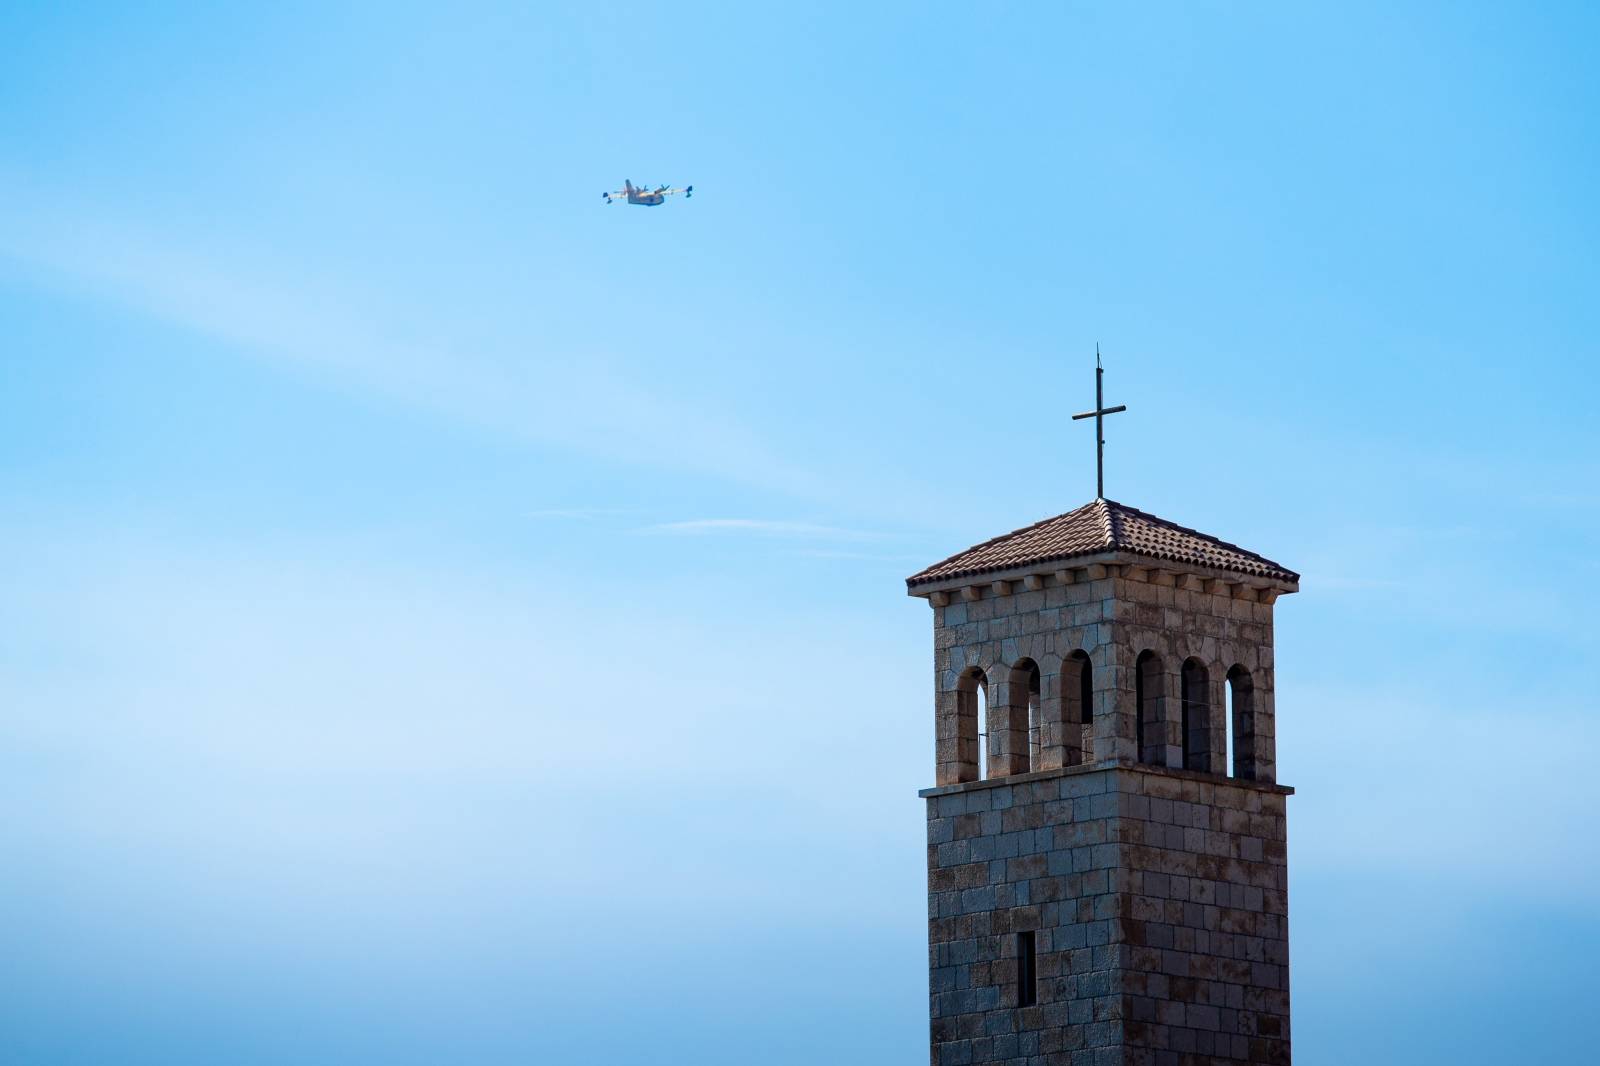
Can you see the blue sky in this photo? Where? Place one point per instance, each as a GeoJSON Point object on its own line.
{"type": "Point", "coordinates": [449, 619]}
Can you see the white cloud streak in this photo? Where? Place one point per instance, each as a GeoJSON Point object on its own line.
{"type": "Point", "coordinates": [584, 402]}
{"type": "Point", "coordinates": [760, 527]}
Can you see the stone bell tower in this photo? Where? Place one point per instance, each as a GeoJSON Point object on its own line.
{"type": "Point", "coordinates": [1107, 870]}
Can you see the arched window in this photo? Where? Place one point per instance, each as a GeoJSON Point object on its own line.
{"type": "Point", "coordinates": [1242, 723]}
{"type": "Point", "coordinates": [1077, 708]}
{"type": "Point", "coordinates": [1150, 731]}
{"type": "Point", "coordinates": [1194, 683]}
{"type": "Point", "coordinates": [983, 731]}
{"type": "Point", "coordinates": [971, 707]}
{"type": "Point", "coordinates": [1025, 686]}
{"type": "Point", "coordinates": [1013, 711]}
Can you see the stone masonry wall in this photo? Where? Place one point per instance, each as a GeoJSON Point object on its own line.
{"type": "Point", "coordinates": [1111, 613]}
{"type": "Point", "coordinates": [1181, 618]}
{"type": "Point", "coordinates": [1158, 902]}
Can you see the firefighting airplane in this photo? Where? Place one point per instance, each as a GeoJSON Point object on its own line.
{"type": "Point", "coordinates": [646, 197]}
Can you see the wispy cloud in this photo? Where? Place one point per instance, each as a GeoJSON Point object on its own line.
{"type": "Point", "coordinates": [762, 527]}
{"type": "Point", "coordinates": [582, 401]}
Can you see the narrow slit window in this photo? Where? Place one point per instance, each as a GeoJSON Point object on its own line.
{"type": "Point", "coordinates": [1027, 971]}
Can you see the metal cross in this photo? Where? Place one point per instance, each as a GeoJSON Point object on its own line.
{"type": "Point", "coordinates": [1098, 414]}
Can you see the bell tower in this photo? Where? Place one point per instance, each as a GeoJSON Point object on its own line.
{"type": "Point", "coordinates": [1107, 865]}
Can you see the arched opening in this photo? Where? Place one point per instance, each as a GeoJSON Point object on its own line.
{"type": "Point", "coordinates": [971, 708]}
{"type": "Point", "coordinates": [1077, 708]}
{"type": "Point", "coordinates": [1241, 723]}
{"type": "Point", "coordinates": [983, 731]}
{"type": "Point", "coordinates": [1229, 748]}
{"type": "Point", "coordinates": [1194, 683]}
{"type": "Point", "coordinates": [1150, 734]}
{"type": "Point", "coordinates": [1025, 686]}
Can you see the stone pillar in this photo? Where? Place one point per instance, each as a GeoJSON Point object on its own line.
{"type": "Point", "coordinates": [955, 737]}
{"type": "Point", "coordinates": [1008, 726]}
{"type": "Point", "coordinates": [1055, 734]}
{"type": "Point", "coordinates": [1115, 709]}
{"type": "Point", "coordinates": [1169, 713]}
{"type": "Point", "coordinates": [1217, 694]}
{"type": "Point", "coordinates": [1266, 738]}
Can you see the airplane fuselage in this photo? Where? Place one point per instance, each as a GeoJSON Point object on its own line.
{"type": "Point", "coordinates": [645, 197]}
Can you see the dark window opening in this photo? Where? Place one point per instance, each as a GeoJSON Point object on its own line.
{"type": "Point", "coordinates": [1085, 689]}
{"type": "Point", "coordinates": [1242, 722]}
{"type": "Point", "coordinates": [1027, 972]}
{"type": "Point", "coordinates": [1139, 707]}
{"type": "Point", "coordinates": [1077, 708]}
{"type": "Point", "coordinates": [1149, 723]}
{"type": "Point", "coordinates": [971, 736]}
{"type": "Point", "coordinates": [1195, 693]}
{"type": "Point", "coordinates": [1034, 723]}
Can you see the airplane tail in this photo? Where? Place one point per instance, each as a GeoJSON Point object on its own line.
{"type": "Point", "coordinates": [627, 186]}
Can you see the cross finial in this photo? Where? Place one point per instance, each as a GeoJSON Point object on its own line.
{"type": "Point", "coordinates": [1098, 414]}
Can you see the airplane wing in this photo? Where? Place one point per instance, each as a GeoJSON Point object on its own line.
{"type": "Point", "coordinates": [687, 190]}
{"type": "Point", "coordinates": [620, 194]}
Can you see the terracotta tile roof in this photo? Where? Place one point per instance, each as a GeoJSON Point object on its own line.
{"type": "Point", "coordinates": [1101, 526]}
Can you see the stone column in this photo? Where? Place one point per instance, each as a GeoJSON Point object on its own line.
{"type": "Point", "coordinates": [1115, 707]}
{"type": "Point", "coordinates": [955, 737]}
{"type": "Point", "coordinates": [1055, 736]}
{"type": "Point", "coordinates": [1008, 726]}
{"type": "Point", "coordinates": [1217, 693]}
{"type": "Point", "coordinates": [1169, 713]}
{"type": "Point", "coordinates": [1266, 738]}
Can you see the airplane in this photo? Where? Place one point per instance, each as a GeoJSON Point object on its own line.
{"type": "Point", "coordinates": [645, 197]}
